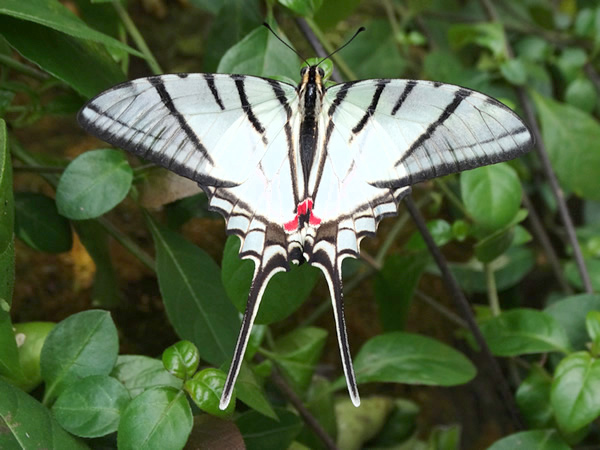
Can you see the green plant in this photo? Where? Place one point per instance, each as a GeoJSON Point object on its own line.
{"type": "Point", "coordinates": [530, 281]}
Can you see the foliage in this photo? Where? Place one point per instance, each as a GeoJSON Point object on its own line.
{"type": "Point", "coordinates": [54, 55]}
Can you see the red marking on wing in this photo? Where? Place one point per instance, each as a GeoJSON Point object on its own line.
{"type": "Point", "coordinates": [303, 208]}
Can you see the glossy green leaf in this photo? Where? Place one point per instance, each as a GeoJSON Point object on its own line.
{"type": "Point", "coordinates": [260, 53]}
{"type": "Point", "coordinates": [26, 424]}
{"type": "Point", "coordinates": [509, 269]}
{"type": "Point", "coordinates": [570, 312]}
{"type": "Point", "coordinates": [395, 284]}
{"type": "Point", "coordinates": [377, 50]}
{"type": "Point", "coordinates": [284, 294]}
{"type": "Point", "coordinates": [514, 71]}
{"type": "Point", "coordinates": [260, 432]}
{"type": "Point", "coordinates": [575, 396]}
{"type": "Point", "coordinates": [91, 407]}
{"type": "Point", "coordinates": [206, 388]}
{"type": "Point", "coordinates": [411, 359]}
{"type": "Point", "coordinates": [492, 194]}
{"type": "Point", "coordinates": [297, 353]}
{"type": "Point", "coordinates": [531, 440]}
{"type": "Point", "coordinates": [195, 301]}
{"type": "Point", "coordinates": [440, 230]}
{"type": "Point", "coordinates": [523, 331]}
{"type": "Point", "coordinates": [181, 359]}
{"type": "Point", "coordinates": [356, 426]}
{"type": "Point", "coordinates": [93, 184]}
{"type": "Point", "coordinates": [533, 398]}
{"type": "Point", "coordinates": [492, 246]}
{"type": "Point", "coordinates": [304, 8]}
{"type": "Point", "coordinates": [38, 224]}
{"type": "Point", "coordinates": [488, 35]}
{"type": "Point", "coordinates": [249, 390]}
{"type": "Point", "coordinates": [54, 15]}
{"type": "Point", "coordinates": [86, 66]}
{"type": "Point", "coordinates": [139, 373]}
{"type": "Point", "coordinates": [581, 93]}
{"type": "Point", "coordinates": [160, 417]}
{"type": "Point", "coordinates": [30, 337]}
{"type": "Point", "coordinates": [9, 357]}
{"type": "Point", "coordinates": [571, 137]}
{"type": "Point", "coordinates": [83, 344]}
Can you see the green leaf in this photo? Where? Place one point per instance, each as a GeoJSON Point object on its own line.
{"type": "Point", "coordinates": [83, 344]}
{"type": "Point", "coordinates": [411, 359]}
{"type": "Point", "coordinates": [304, 8]}
{"type": "Point", "coordinates": [395, 284]}
{"type": "Point", "coordinates": [195, 301]}
{"type": "Point", "coordinates": [571, 137]}
{"type": "Point", "coordinates": [531, 440]}
{"type": "Point", "coordinates": [492, 195]}
{"type": "Point", "coordinates": [494, 245]}
{"type": "Point", "coordinates": [523, 331]}
{"type": "Point", "coordinates": [181, 359]}
{"type": "Point", "coordinates": [487, 35]}
{"type": "Point", "coordinates": [297, 353]}
{"type": "Point", "coordinates": [250, 391]}
{"type": "Point", "coordinates": [400, 425]}
{"type": "Point", "coordinates": [320, 403]}
{"type": "Point", "coordinates": [160, 417]}
{"type": "Point", "coordinates": [26, 424]}
{"type": "Point", "coordinates": [581, 93]}
{"type": "Point", "coordinates": [139, 373]}
{"type": "Point", "coordinates": [54, 15]}
{"type": "Point", "coordinates": [92, 406]}
{"type": "Point", "coordinates": [333, 11]}
{"type": "Point", "coordinates": [84, 65]}
{"type": "Point", "coordinates": [30, 337]}
{"type": "Point", "coordinates": [206, 388]}
{"type": "Point", "coordinates": [570, 312]}
{"type": "Point", "coordinates": [38, 224]}
{"type": "Point", "coordinates": [284, 294]}
{"type": "Point", "coordinates": [261, 54]}
{"type": "Point", "coordinates": [533, 398]}
{"type": "Point", "coordinates": [9, 357]}
{"type": "Point", "coordinates": [573, 276]}
{"type": "Point", "coordinates": [575, 395]}
{"type": "Point", "coordinates": [440, 230]}
{"type": "Point", "coordinates": [514, 71]}
{"type": "Point", "coordinates": [377, 50]}
{"type": "Point", "coordinates": [93, 184]}
{"type": "Point", "coordinates": [260, 432]}
{"type": "Point", "coordinates": [359, 425]}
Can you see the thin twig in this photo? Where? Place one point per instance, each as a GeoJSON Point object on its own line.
{"type": "Point", "coordinates": [546, 165]}
{"type": "Point", "coordinates": [437, 306]}
{"type": "Point", "coordinates": [492, 292]}
{"type": "Point", "coordinates": [306, 415]}
{"type": "Point", "coordinates": [593, 76]}
{"type": "Point", "coordinates": [465, 309]}
{"type": "Point", "coordinates": [38, 169]}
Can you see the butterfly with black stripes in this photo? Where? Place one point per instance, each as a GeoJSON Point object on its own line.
{"type": "Point", "coordinates": [303, 173]}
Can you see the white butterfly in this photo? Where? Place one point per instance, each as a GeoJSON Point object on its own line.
{"type": "Point", "coordinates": [303, 173]}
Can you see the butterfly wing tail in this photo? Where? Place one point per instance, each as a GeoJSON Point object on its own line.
{"type": "Point", "coordinates": [262, 275]}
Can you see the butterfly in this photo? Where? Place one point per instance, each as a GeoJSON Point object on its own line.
{"type": "Point", "coordinates": [303, 173]}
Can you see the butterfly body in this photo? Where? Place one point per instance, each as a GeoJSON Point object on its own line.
{"type": "Point", "coordinates": [304, 173]}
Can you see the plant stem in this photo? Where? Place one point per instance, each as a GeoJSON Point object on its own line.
{"type": "Point", "coordinates": [492, 292]}
{"type": "Point", "coordinates": [38, 169]}
{"type": "Point", "coordinates": [23, 68]}
{"type": "Point", "coordinates": [137, 37]}
{"type": "Point", "coordinates": [437, 306]}
{"type": "Point", "coordinates": [452, 198]}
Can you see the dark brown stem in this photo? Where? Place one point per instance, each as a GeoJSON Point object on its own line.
{"type": "Point", "coordinates": [465, 309]}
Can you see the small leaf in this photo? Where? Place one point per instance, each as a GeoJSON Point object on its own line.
{"type": "Point", "coordinates": [30, 337]}
{"type": "Point", "coordinates": [181, 359]}
{"type": "Point", "coordinates": [92, 406]}
{"type": "Point", "coordinates": [161, 417]}
{"type": "Point", "coordinates": [581, 93]}
{"type": "Point", "coordinates": [93, 184]}
{"type": "Point", "coordinates": [523, 331]}
{"type": "Point", "coordinates": [304, 8]}
{"type": "Point", "coordinates": [249, 390]}
{"type": "Point", "coordinates": [261, 54]}
{"type": "Point", "coordinates": [571, 137]}
{"type": "Point", "coordinates": [206, 388]}
{"type": "Point", "coordinates": [400, 425]}
{"type": "Point", "coordinates": [195, 301]}
{"type": "Point", "coordinates": [529, 440]}
{"type": "Point", "coordinates": [592, 324]}
{"type": "Point", "coordinates": [488, 35]}
{"type": "Point", "coordinates": [575, 395]}
{"type": "Point", "coordinates": [83, 344]}
{"type": "Point", "coordinates": [39, 225]}
{"type": "Point", "coordinates": [284, 294]}
{"type": "Point", "coordinates": [297, 353]}
{"type": "Point", "coordinates": [533, 398]}
{"type": "Point", "coordinates": [139, 373]}
{"type": "Point", "coordinates": [491, 194]}
{"type": "Point", "coordinates": [440, 230]}
{"type": "Point", "coordinates": [359, 425]}
{"type": "Point", "coordinates": [26, 424]}
{"type": "Point", "coordinates": [571, 312]}
{"type": "Point", "coordinates": [514, 72]}
{"type": "Point", "coordinates": [494, 245]}
{"type": "Point", "coordinates": [411, 359]}
{"type": "Point", "coordinates": [260, 432]}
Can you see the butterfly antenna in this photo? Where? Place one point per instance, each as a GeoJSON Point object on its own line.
{"type": "Point", "coordinates": [360, 30]}
{"type": "Point", "coordinates": [285, 43]}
